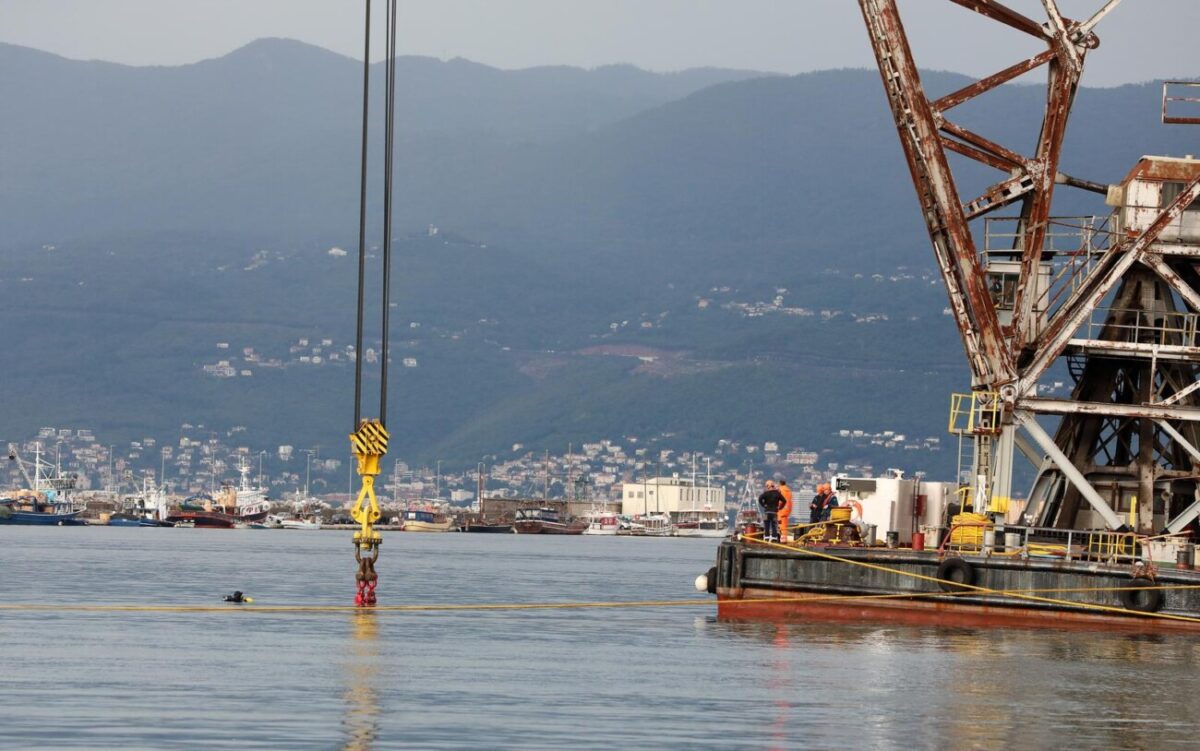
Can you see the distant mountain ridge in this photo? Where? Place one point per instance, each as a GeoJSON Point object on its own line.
{"type": "Point", "coordinates": [196, 204]}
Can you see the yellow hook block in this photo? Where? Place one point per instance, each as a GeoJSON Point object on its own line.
{"type": "Point", "coordinates": [369, 444]}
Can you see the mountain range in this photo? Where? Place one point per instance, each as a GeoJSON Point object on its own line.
{"type": "Point", "coordinates": [580, 254]}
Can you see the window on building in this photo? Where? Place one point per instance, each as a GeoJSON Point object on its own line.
{"type": "Point", "coordinates": [1002, 287]}
{"type": "Point", "coordinates": [1171, 191]}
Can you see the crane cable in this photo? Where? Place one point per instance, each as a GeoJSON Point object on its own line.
{"type": "Point", "coordinates": [369, 440]}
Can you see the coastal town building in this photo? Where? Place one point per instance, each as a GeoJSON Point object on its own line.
{"type": "Point", "coordinates": [669, 495]}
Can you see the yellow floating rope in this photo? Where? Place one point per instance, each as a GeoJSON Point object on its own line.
{"type": "Point", "coordinates": [466, 607]}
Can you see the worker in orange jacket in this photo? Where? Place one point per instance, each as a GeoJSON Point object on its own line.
{"type": "Point", "coordinates": [786, 511]}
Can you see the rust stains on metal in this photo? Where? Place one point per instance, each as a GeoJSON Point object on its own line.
{"type": "Point", "coordinates": [945, 220]}
{"type": "Point", "coordinates": [1148, 411]}
{"type": "Point", "coordinates": [1109, 270]}
{"type": "Point", "coordinates": [1162, 168]}
{"type": "Point", "coordinates": [1004, 15]}
{"type": "Point", "coordinates": [992, 81]}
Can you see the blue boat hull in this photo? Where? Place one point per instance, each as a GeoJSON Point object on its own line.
{"type": "Point", "coordinates": [46, 520]}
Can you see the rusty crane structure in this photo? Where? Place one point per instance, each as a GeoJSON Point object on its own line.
{"type": "Point", "coordinates": [1114, 299]}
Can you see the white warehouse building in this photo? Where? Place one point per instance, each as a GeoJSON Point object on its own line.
{"type": "Point", "coordinates": [670, 495]}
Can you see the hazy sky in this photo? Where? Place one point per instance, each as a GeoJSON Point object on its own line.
{"type": "Point", "coordinates": [787, 36]}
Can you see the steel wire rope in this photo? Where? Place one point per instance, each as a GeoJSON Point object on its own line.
{"type": "Point", "coordinates": [362, 219]}
{"type": "Point", "coordinates": [389, 155]}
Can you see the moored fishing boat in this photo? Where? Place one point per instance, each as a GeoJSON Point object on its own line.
{"type": "Point", "coordinates": [425, 520]}
{"type": "Point", "coordinates": [201, 511]}
{"type": "Point", "coordinates": [29, 508]}
{"type": "Point", "coordinates": [486, 527]}
{"type": "Point", "coordinates": [545, 521]}
{"type": "Point", "coordinates": [306, 522]}
{"type": "Point", "coordinates": [705, 523]}
{"type": "Point", "coordinates": [602, 523]}
{"type": "Point", "coordinates": [649, 525]}
{"type": "Point", "coordinates": [148, 508]}
{"type": "Point", "coordinates": [47, 500]}
{"type": "Point", "coordinates": [247, 502]}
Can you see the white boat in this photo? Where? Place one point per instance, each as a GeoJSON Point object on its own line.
{"type": "Point", "coordinates": [250, 501]}
{"type": "Point", "coordinates": [705, 523]}
{"type": "Point", "coordinates": [650, 525]}
{"type": "Point", "coordinates": [602, 523]}
{"type": "Point", "coordinates": [293, 522]}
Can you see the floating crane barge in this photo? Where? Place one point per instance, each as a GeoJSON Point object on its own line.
{"type": "Point", "coordinates": [1105, 536]}
{"type": "Point", "coordinates": [757, 580]}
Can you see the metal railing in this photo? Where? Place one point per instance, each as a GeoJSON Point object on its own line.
{"type": "Point", "coordinates": [1065, 236]}
{"type": "Point", "coordinates": [1072, 247]}
{"type": "Point", "coordinates": [1164, 328]}
{"type": "Point", "coordinates": [1095, 546]}
{"type": "Point", "coordinates": [975, 413]}
{"type": "Point", "coordinates": [1185, 92]}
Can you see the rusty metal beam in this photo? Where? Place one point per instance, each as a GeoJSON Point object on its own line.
{"type": "Point", "coordinates": [973, 153]}
{"type": "Point", "coordinates": [1044, 406]}
{"type": "Point", "coordinates": [1181, 394]}
{"type": "Point", "coordinates": [1171, 249]}
{"type": "Point", "coordinates": [999, 195]}
{"type": "Point", "coordinates": [1086, 27]}
{"type": "Point", "coordinates": [1063, 83]}
{"type": "Point", "coordinates": [1004, 15]}
{"type": "Point", "coordinates": [1010, 158]}
{"type": "Point", "coordinates": [1168, 275]}
{"type": "Point", "coordinates": [954, 246]}
{"type": "Point", "coordinates": [990, 82]}
{"type": "Point", "coordinates": [1109, 270]}
{"type": "Point", "coordinates": [1073, 475]}
{"type": "Point", "coordinates": [1063, 44]}
{"type": "Point", "coordinates": [1109, 347]}
{"type": "Point", "coordinates": [1076, 182]}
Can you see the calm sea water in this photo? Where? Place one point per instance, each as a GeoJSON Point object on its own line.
{"type": "Point", "coordinates": [594, 679]}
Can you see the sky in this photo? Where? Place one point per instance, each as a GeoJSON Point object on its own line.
{"type": "Point", "coordinates": [785, 36]}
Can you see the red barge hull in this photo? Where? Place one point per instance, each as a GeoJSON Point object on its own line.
{"type": "Point", "coordinates": [856, 584]}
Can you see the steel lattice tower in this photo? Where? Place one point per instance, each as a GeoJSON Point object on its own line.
{"type": "Point", "coordinates": [1112, 297]}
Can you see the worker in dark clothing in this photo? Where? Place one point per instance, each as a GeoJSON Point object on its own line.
{"type": "Point", "coordinates": [818, 504]}
{"type": "Point", "coordinates": [770, 502]}
{"type": "Point", "coordinates": [831, 502]}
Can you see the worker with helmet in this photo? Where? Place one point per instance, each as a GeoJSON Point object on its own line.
{"type": "Point", "coordinates": [786, 510]}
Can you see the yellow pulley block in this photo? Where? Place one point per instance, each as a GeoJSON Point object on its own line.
{"type": "Point", "coordinates": [369, 444]}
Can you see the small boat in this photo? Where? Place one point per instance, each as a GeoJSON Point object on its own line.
{"type": "Point", "coordinates": [545, 521]}
{"type": "Point", "coordinates": [310, 521]}
{"type": "Point", "coordinates": [424, 520]}
{"type": "Point", "coordinates": [487, 527]}
{"type": "Point", "coordinates": [649, 525]}
{"type": "Point", "coordinates": [39, 509]}
{"type": "Point", "coordinates": [247, 502]}
{"type": "Point", "coordinates": [602, 523]}
{"type": "Point", "coordinates": [145, 509]}
{"type": "Point", "coordinates": [705, 523]}
{"type": "Point", "coordinates": [46, 503]}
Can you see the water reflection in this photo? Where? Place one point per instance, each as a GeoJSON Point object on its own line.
{"type": "Point", "coordinates": [360, 722]}
{"type": "Point", "coordinates": [980, 689]}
